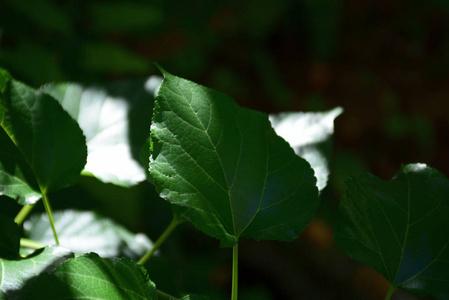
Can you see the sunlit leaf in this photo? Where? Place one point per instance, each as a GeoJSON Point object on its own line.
{"type": "Point", "coordinates": [111, 119]}
{"type": "Point", "coordinates": [310, 135]}
{"type": "Point", "coordinates": [15, 274]}
{"type": "Point", "coordinates": [398, 227]}
{"type": "Point", "coordinates": [9, 238]}
{"type": "Point", "coordinates": [92, 277]}
{"type": "Point", "coordinates": [46, 150]}
{"type": "Point", "coordinates": [83, 232]}
{"type": "Point", "coordinates": [227, 164]}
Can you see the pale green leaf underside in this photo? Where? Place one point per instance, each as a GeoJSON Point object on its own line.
{"type": "Point", "coordinates": [309, 134]}
{"type": "Point", "coordinates": [14, 274]}
{"type": "Point", "coordinates": [92, 277]}
{"type": "Point", "coordinates": [227, 164]}
{"type": "Point", "coordinates": [105, 116]}
{"type": "Point", "coordinates": [399, 228]}
{"type": "Point", "coordinates": [84, 232]}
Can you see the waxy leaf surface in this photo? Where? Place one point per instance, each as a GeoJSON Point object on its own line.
{"type": "Point", "coordinates": [399, 228]}
{"type": "Point", "coordinates": [310, 135]}
{"type": "Point", "coordinates": [84, 232]}
{"type": "Point", "coordinates": [43, 148]}
{"type": "Point", "coordinates": [9, 238]}
{"type": "Point", "coordinates": [228, 166]}
{"type": "Point", "coordinates": [92, 277]}
{"type": "Point", "coordinates": [115, 121]}
{"type": "Point", "coordinates": [15, 274]}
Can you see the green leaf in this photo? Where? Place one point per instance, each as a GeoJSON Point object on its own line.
{"type": "Point", "coordinates": [398, 227]}
{"type": "Point", "coordinates": [15, 274]}
{"type": "Point", "coordinates": [227, 164]}
{"type": "Point", "coordinates": [93, 277]}
{"type": "Point", "coordinates": [83, 232]}
{"type": "Point", "coordinates": [46, 149]}
{"type": "Point", "coordinates": [310, 135]}
{"type": "Point", "coordinates": [113, 120]}
{"type": "Point", "coordinates": [9, 238]}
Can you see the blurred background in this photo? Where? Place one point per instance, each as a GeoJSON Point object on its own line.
{"type": "Point", "coordinates": [385, 62]}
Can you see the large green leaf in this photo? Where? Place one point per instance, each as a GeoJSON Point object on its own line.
{"type": "Point", "coordinates": [310, 136]}
{"type": "Point", "coordinates": [113, 120]}
{"type": "Point", "coordinates": [399, 228]}
{"type": "Point", "coordinates": [92, 277]}
{"type": "Point", "coordinates": [84, 232]}
{"type": "Point", "coordinates": [15, 274]}
{"type": "Point", "coordinates": [227, 165]}
{"type": "Point", "coordinates": [46, 150]}
{"type": "Point", "coordinates": [9, 238]}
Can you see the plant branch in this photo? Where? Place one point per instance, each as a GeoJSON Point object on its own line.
{"type": "Point", "coordinates": [174, 223]}
{"type": "Point", "coordinates": [27, 243]}
{"type": "Point", "coordinates": [235, 258]}
{"type": "Point", "coordinates": [165, 295]}
{"type": "Point", "coordinates": [50, 215]}
{"type": "Point", "coordinates": [390, 292]}
{"type": "Point", "coordinates": [23, 213]}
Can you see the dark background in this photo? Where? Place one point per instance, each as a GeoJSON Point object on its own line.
{"type": "Point", "coordinates": [385, 62]}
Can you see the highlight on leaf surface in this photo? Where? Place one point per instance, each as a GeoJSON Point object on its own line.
{"type": "Point", "coordinates": [398, 227]}
{"type": "Point", "coordinates": [43, 148]}
{"type": "Point", "coordinates": [227, 165]}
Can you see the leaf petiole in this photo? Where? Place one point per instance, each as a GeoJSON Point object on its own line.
{"type": "Point", "coordinates": [174, 223]}
{"type": "Point", "coordinates": [23, 213]}
{"type": "Point", "coordinates": [50, 215]}
{"type": "Point", "coordinates": [235, 258]}
{"type": "Point", "coordinates": [26, 243]}
{"type": "Point", "coordinates": [390, 292]}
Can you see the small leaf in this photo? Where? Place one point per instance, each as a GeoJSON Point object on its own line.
{"type": "Point", "coordinates": [14, 274]}
{"type": "Point", "coordinates": [227, 164]}
{"type": "Point", "coordinates": [310, 135]}
{"type": "Point", "coordinates": [92, 277]}
{"type": "Point", "coordinates": [83, 232]}
{"type": "Point", "coordinates": [49, 148]}
{"type": "Point", "coordinates": [398, 228]}
{"type": "Point", "coordinates": [9, 238]}
{"type": "Point", "coordinates": [114, 130]}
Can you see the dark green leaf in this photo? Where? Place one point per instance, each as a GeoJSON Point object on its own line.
{"type": "Point", "coordinates": [15, 274]}
{"type": "Point", "coordinates": [194, 297]}
{"type": "Point", "coordinates": [113, 121]}
{"type": "Point", "coordinates": [227, 164]}
{"type": "Point", "coordinates": [310, 135]}
{"type": "Point", "coordinates": [398, 227]}
{"type": "Point", "coordinates": [83, 232]}
{"type": "Point", "coordinates": [49, 143]}
{"type": "Point", "coordinates": [9, 238]}
{"type": "Point", "coordinates": [93, 277]}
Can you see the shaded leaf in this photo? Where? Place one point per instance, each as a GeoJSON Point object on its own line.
{"type": "Point", "coordinates": [50, 147]}
{"type": "Point", "coordinates": [83, 232]}
{"type": "Point", "coordinates": [9, 238]}
{"type": "Point", "coordinates": [93, 277]}
{"type": "Point", "coordinates": [310, 135]}
{"type": "Point", "coordinates": [398, 228]}
{"type": "Point", "coordinates": [15, 274]}
{"type": "Point", "coordinates": [111, 119]}
{"type": "Point", "coordinates": [227, 164]}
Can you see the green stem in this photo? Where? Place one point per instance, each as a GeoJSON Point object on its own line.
{"type": "Point", "coordinates": [23, 213]}
{"type": "Point", "coordinates": [390, 292]}
{"type": "Point", "coordinates": [165, 295]}
{"type": "Point", "coordinates": [26, 243]}
{"type": "Point", "coordinates": [235, 271]}
{"type": "Point", "coordinates": [174, 223]}
{"type": "Point", "coordinates": [50, 215]}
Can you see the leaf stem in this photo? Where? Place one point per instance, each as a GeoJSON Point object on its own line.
{"type": "Point", "coordinates": [165, 295]}
{"type": "Point", "coordinates": [235, 258]}
{"type": "Point", "coordinates": [390, 292]}
{"type": "Point", "coordinates": [27, 243]}
{"type": "Point", "coordinates": [50, 215]}
{"type": "Point", "coordinates": [174, 223]}
{"type": "Point", "coordinates": [23, 213]}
